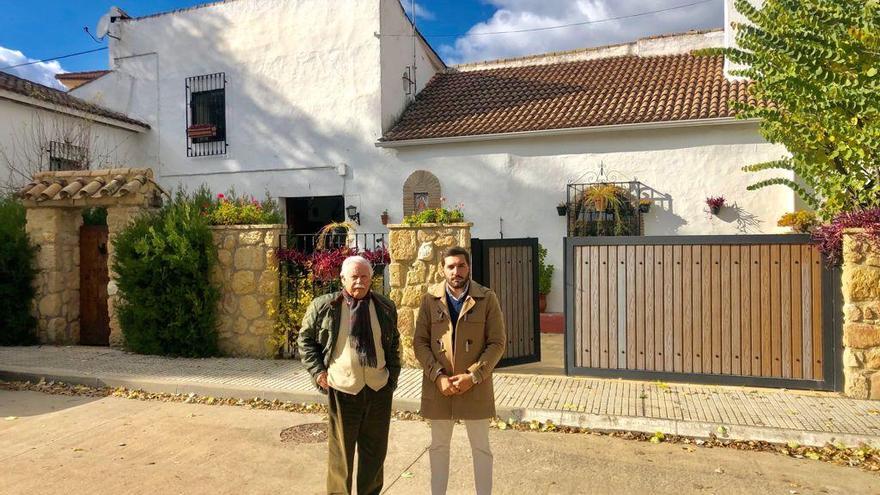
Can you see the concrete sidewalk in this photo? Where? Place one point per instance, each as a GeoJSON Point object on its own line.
{"type": "Point", "coordinates": [808, 418]}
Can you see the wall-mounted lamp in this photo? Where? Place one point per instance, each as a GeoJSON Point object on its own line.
{"type": "Point", "coordinates": [353, 214]}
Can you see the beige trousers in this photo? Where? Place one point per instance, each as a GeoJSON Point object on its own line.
{"type": "Point", "coordinates": [441, 437]}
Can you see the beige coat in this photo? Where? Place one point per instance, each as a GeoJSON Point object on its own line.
{"type": "Point", "coordinates": [480, 339]}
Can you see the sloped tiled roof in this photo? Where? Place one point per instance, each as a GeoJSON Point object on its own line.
{"type": "Point", "coordinates": [88, 184]}
{"type": "Point", "coordinates": [583, 93]}
{"type": "Point", "coordinates": [74, 80]}
{"type": "Point", "coordinates": [31, 89]}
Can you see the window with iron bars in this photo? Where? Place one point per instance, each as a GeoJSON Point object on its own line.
{"type": "Point", "coordinates": [206, 115]}
{"type": "Point", "coordinates": [66, 156]}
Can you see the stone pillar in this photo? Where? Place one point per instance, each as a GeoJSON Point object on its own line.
{"type": "Point", "coordinates": [861, 327]}
{"type": "Point", "coordinates": [415, 264]}
{"type": "Point", "coordinates": [118, 217]}
{"type": "Point", "coordinates": [56, 305]}
{"type": "Point", "coordinates": [249, 287]}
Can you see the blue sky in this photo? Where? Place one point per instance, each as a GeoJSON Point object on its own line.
{"type": "Point", "coordinates": [460, 30]}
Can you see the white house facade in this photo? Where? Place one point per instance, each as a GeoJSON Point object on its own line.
{"type": "Point", "coordinates": [314, 104]}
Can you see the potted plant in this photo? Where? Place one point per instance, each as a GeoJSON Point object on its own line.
{"type": "Point", "coordinates": [384, 217]}
{"type": "Point", "coordinates": [603, 196]}
{"type": "Point", "coordinates": [715, 204]}
{"type": "Point", "coordinates": [545, 278]}
{"type": "Point", "coordinates": [561, 209]}
{"type": "Point", "coordinates": [801, 222]}
{"type": "Point", "coordinates": [645, 205]}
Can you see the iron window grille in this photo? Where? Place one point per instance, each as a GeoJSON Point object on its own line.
{"type": "Point", "coordinates": [66, 156]}
{"type": "Point", "coordinates": [206, 115]}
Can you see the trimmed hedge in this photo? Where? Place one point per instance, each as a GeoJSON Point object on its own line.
{"type": "Point", "coordinates": [163, 264]}
{"type": "Point", "coordinates": [17, 274]}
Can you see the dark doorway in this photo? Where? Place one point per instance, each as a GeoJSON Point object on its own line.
{"type": "Point", "coordinates": [307, 215]}
{"type": "Point", "coordinates": [93, 279]}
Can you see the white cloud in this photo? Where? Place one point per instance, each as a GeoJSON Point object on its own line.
{"type": "Point", "coordinates": [518, 15]}
{"type": "Point", "coordinates": [421, 11]}
{"type": "Point", "coordinates": [40, 72]}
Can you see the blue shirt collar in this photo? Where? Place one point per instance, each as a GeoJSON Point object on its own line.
{"type": "Point", "coordinates": [463, 294]}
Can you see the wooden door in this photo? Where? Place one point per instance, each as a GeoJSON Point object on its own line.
{"type": "Point", "coordinates": [93, 279]}
{"type": "Point", "coordinates": [510, 268]}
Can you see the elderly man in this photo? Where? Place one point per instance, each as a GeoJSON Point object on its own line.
{"type": "Point", "coordinates": [350, 345]}
{"type": "Point", "coordinates": [458, 340]}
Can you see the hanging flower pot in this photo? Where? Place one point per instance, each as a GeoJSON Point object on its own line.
{"type": "Point", "coordinates": [561, 209]}
{"type": "Point", "coordinates": [715, 204]}
{"type": "Point", "coordinates": [385, 217]}
{"type": "Point", "coordinates": [645, 205]}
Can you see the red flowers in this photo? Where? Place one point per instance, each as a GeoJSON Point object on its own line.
{"type": "Point", "coordinates": [325, 266]}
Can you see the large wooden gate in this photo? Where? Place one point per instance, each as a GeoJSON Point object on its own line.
{"type": "Point", "coordinates": [510, 268]}
{"type": "Point", "coordinates": [93, 278]}
{"type": "Point", "coordinates": [751, 310]}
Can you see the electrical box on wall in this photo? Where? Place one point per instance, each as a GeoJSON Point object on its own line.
{"type": "Point", "coordinates": [340, 169]}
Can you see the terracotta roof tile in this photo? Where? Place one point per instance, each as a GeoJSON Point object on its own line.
{"type": "Point", "coordinates": [586, 93]}
{"type": "Point", "coordinates": [83, 184]}
{"type": "Point", "coordinates": [31, 89]}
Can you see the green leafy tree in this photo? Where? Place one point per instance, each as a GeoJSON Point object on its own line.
{"type": "Point", "coordinates": [814, 66]}
{"type": "Point", "coordinates": [163, 266]}
{"type": "Point", "coordinates": [17, 273]}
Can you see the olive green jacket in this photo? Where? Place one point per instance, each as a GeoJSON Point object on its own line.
{"type": "Point", "coordinates": [320, 328]}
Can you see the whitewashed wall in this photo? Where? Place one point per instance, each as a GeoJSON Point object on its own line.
{"type": "Point", "coordinates": [25, 129]}
{"type": "Point", "coordinates": [311, 87]}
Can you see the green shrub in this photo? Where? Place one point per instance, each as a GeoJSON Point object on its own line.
{"type": "Point", "coordinates": [231, 209]}
{"type": "Point", "coordinates": [96, 215]}
{"type": "Point", "coordinates": [435, 215]}
{"type": "Point", "coordinates": [17, 274]}
{"type": "Point", "coordinates": [163, 264]}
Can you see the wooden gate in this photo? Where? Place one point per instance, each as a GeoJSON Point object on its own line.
{"type": "Point", "coordinates": [749, 310]}
{"type": "Point", "coordinates": [93, 278]}
{"type": "Point", "coordinates": [510, 268]}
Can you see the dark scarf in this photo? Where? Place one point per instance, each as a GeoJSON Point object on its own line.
{"type": "Point", "coordinates": [361, 329]}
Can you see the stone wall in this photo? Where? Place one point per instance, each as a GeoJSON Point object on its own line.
{"type": "Point", "coordinates": [861, 326]}
{"type": "Point", "coordinates": [56, 305]}
{"type": "Point", "coordinates": [415, 264]}
{"type": "Point", "coordinates": [248, 277]}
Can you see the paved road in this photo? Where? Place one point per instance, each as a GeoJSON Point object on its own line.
{"type": "Point", "coordinates": [73, 445]}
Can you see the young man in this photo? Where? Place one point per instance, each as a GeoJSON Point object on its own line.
{"type": "Point", "coordinates": [350, 345]}
{"type": "Point", "coordinates": [459, 338]}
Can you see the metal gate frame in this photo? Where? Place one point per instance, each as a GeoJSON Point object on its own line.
{"type": "Point", "coordinates": [832, 317]}
{"type": "Point", "coordinates": [480, 272]}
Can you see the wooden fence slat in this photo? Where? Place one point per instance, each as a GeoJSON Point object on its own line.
{"type": "Point", "coordinates": [817, 313]}
{"type": "Point", "coordinates": [677, 308]}
{"type": "Point", "coordinates": [706, 350]}
{"type": "Point", "coordinates": [697, 320]}
{"type": "Point", "coordinates": [586, 316]}
{"type": "Point", "coordinates": [766, 321]}
{"type": "Point", "coordinates": [650, 314]}
{"type": "Point", "coordinates": [716, 309]}
{"type": "Point", "coordinates": [594, 300]}
{"type": "Point", "coordinates": [775, 316]}
{"type": "Point", "coordinates": [641, 306]}
{"type": "Point", "coordinates": [659, 318]}
{"type": "Point", "coordinates": [797, 366]}
{"type": "Point", "coordinates": [807, 308]}
{"type": "Point", "coordinates": [746, 308]}
{"type": "Point", "coordinates": [757, 318]}
{"type": "Point", "coordinates": [735, 312]}
{"type": "Point", "coordinates": [785, 308]}
{"type": "Point", "coordinates": [620, 341]}
{"type": "Point", "coordinates": [631, 352]}
{"type": "Point", "coordinates": [724, 345]}
{"type": "Point", "coordinates": [579, 306]}
{"type": "Point", "coordinates": [603, 306]}
{"type": "Point", "coordinates": [687, 298]}
{"type": "Point", "coordinates": [668, 312]}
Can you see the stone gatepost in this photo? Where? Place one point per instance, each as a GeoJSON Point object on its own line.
{"type": "Point", "coordinates": [56, 307]}
{"type": "Point", "coordinates": [249, 287]}
{"type": "Point", "coordinates": [861, 327]}
{"type": "Point", "coordinates": [415, 264]}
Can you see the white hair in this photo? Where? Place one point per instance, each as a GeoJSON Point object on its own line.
{"type": "Point", "coordinates": [356, 260]}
